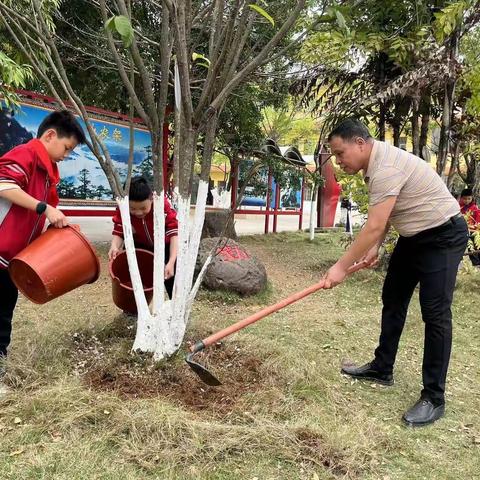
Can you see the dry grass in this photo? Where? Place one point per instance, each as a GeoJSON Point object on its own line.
{"type": "Point", "coordinates": [83, 407]}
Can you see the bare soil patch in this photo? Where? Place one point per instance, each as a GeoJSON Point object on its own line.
{"type": "Point", "coordinates": [105, 363]}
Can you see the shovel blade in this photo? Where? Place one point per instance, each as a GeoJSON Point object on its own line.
{"type": "Point", "coordinates": [203, 373]}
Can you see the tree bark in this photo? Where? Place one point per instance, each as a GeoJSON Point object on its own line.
{"type": "Point", "coordinates": [382, 121]}
{"type": "Point", "coordinates": [425, 123]}
{"type": "Point", "coordinates": [415, 129]}
{"type": "Point", "coordinates": [396, 135]}
{"type": "Point", "coordinates": [448, 98]}
{"type": "Point", "coordinates": [453, 166]}
{"type": "Point", "coordinates": [476, 184]}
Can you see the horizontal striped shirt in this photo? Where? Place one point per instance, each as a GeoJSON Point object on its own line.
{"type": "Point", "coordinates": [423, 199]}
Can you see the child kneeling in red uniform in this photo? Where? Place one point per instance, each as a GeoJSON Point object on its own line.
{"type": "Point", "coordinates": [140, 199]}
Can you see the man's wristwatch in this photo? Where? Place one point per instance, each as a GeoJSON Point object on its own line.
{"type": "Point", "coordinates": [41, 207]}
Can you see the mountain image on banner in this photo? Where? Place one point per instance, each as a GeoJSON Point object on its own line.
{"type": "Point", "coordinates": [81, 174]}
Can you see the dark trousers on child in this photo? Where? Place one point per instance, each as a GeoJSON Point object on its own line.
{"type": "Point", "coordinates": [8, 300]}
{"type": "Point", "coordinates": [169, 282]}
{"type": "Point", "coordinates": [429, 258]}
{"type": "Point", "coordinates": [475, 258]}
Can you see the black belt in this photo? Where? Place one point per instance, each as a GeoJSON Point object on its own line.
{"type": "Point", "coordinates": [453, 219]}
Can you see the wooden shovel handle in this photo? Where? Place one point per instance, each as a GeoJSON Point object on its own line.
{"type": "Point", "coordinates": [271, 309]}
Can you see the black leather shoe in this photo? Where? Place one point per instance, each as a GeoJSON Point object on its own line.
{"type": "Point", "coordinates": [423, 413]}
{"type": "Point", "coordinates": [366, 372]}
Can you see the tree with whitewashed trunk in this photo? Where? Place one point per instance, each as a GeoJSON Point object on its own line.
{"type": "Point", "coordinates": [205, 50]}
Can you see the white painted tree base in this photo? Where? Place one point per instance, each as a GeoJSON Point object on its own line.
{"type": "Point", "coordinates": [161, 331]}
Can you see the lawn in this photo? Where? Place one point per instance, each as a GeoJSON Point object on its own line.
{"type": "Point", "coordinates": [82, 406]}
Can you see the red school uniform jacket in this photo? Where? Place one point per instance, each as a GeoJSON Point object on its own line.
{"type": "Point", "coordinates": [28, 166]}
{"type": "Point", "coordinates": [473, 214]}
{"type": "Point", "coordinates": [143, 227]}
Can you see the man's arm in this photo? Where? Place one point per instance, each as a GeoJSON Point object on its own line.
{"type": "Point", "coordinates": [371, 258]}
{"type": "Point", "coordinates": [371, 235]}
{"type": "Point", "coordinates": [18, 197]}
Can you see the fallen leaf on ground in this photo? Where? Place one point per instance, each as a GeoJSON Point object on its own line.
{"type": "Point", "coordinates": [17, 452]}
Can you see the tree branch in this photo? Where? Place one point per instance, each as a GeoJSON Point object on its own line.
{"type": "Point", "coordinates": [144, 75]}
{"type": "Point", "coordinates": [240, 76]}
{"type": "Point", "coordinates": [122, 72]}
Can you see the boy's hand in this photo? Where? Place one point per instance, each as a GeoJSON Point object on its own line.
{"type": "Point", "coordinates": [113, 252]}
{"type": "Point", "coordinates": [56, 217]}
{"type": "Point", "coordinates": [169, 270]}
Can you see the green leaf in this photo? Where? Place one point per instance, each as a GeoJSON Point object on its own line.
{"type": "Point", "coordinates": [263, 13]}
{"type": "Point", "coordinates": [124, 28]}
{"type": "Point", "coordinates": [199, 56]}
{"type": "Point", "coordinates": [341, 20]}
{"type": "Point", "coordinates": [110, 24]}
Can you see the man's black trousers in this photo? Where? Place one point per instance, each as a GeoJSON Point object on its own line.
{"type": "Point", "coordinates": [429, 258]}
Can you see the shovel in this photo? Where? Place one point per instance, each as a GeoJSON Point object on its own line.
{"type": "Point", "coordinates": [210, 379]}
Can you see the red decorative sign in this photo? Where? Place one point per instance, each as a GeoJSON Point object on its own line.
{"type": "Point", "coordinates": [231, 253]}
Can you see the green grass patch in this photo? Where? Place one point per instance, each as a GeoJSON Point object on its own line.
{"type": "Point", "coordinates": [283, 412]}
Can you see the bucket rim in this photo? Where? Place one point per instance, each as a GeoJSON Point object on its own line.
{"type": "Point", "coordinates": [114, 277]}
{"type": "Point", "coordinates": [20, 288]}
{"type": "Point", "coordinates": [76, 230]}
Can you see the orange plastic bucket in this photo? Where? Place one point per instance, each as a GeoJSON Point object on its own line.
{"type": "Point", "coordinates": [122, 291]}
{"type": "Point", "coordinates": [58, 261]}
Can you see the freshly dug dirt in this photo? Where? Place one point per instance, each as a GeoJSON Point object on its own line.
{"type": "Point", "coordinates": [105, 363]}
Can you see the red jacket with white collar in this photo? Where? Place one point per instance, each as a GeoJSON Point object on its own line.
{"type": "Point", "coordinates": [472, 213]}
{"type": "Point", "coordinates": [25, 166]}
{"type": "Point", "coordinates": [143, 227]}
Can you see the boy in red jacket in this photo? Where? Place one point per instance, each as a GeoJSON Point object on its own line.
{"type": "Point", "coordinates": [28, 195]}
{"type": "Point", "coordinates": [470, 210]}
{"type": "Point", "coordinates": [140, 199]}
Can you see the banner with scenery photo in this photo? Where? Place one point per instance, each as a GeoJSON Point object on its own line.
{"type": "Point", "coordinates": [81, 175]}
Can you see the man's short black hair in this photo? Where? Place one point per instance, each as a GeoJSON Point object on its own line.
{"type": "Point", "coordinates": [64, 123]}
{"type": "Point", "coordinates": [467, 192]}
{"type": "Point", "coordinates": [349, 129]}
{"type": "Point", "coordinates": [140, 190]}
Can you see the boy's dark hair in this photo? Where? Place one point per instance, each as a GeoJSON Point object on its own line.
{"type": "Point", "coordinates": [139, 189]}
{"type": "Point", "coordinates": [349, 129]}
{"type": "Point", "coordinates": [467, 192]}
{"type": "Point", "coordinates": [64, 123]}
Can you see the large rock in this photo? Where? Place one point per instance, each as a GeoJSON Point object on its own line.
{"type": "Point", "coordinates": [233, 268]}
{"type": "Point", "coordinates": [215, 221]}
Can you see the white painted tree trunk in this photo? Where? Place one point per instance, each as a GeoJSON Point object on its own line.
{"type": "Point", "coordinates": [153, 329]}
{"type": "Point", "coordinates": [221, 200]}
{"type": "Point", "coordinates": [313, 215]}
{"type": "Point", "coordinates": [188, 245]}
{"type": "Point", "coordinates": [158, 251]}
{"type": "Point", "coordinates": [145, 338]}
{"type": "Point", "coordinates": [161, 330]}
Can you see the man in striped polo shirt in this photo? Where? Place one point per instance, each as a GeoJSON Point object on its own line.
{"type": "Point", "coordinates": [406, 193]}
